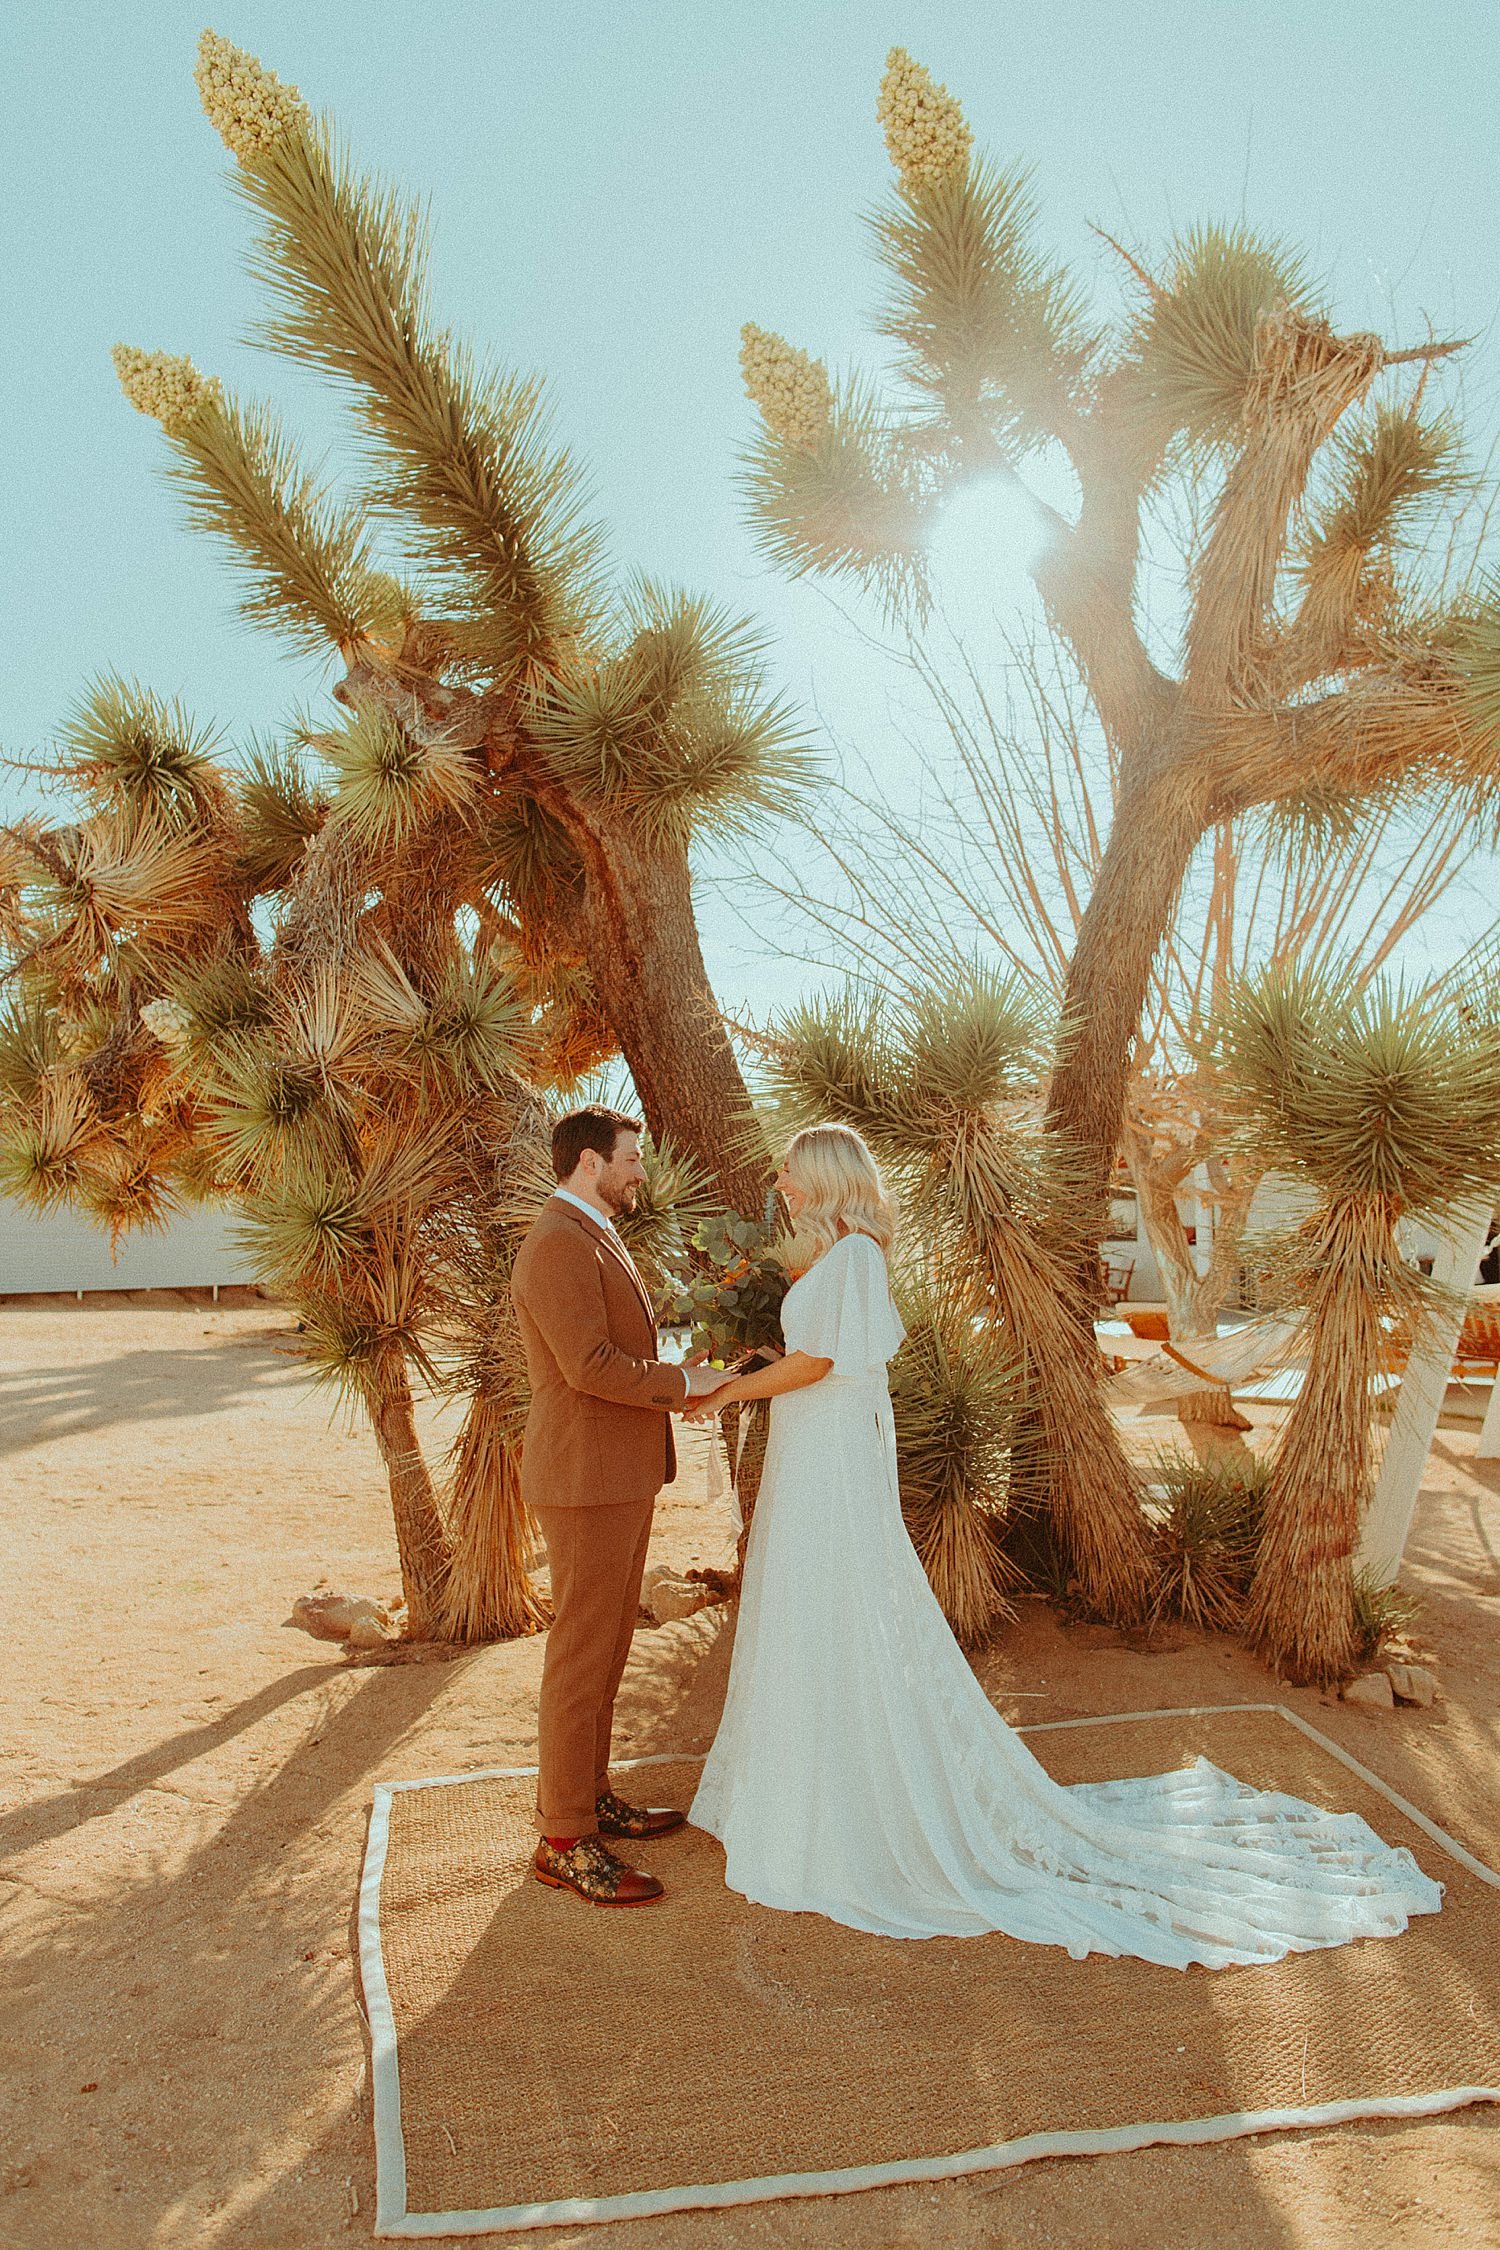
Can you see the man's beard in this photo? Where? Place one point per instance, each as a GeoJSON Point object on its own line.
{"type": "Point", "coordinates": [619, 1197]}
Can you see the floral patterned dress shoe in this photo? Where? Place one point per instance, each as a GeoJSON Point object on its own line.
{"type": "Point", "coordinates": [616, 1818]}
{"type": "Point", "coordinates": [592, 1870]}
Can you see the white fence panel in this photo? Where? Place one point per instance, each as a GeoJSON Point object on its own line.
{"type": "Point", "coordinates": [67, 1252]}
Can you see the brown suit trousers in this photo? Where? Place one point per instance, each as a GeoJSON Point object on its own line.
{"type": "Point", "coordinates": [598, 1448]}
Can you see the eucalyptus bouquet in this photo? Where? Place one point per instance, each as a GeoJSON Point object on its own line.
{"type": "Point", "coordinates": [733, 1300]}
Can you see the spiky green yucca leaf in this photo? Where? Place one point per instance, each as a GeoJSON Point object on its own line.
{"type": "Point", "coordinates": [1368, 1092]}
{"type": "Point", "coordinates": [856, 505]}
{"type": "Point", "coordinates": [268, 1116]}
{"type": "Point", "coordinates": [386, 783]}
{"type": "Point", "coordinates": [307, 561]}
{"type": "Point", "coordinates": [319, 1220]}
{"type": "Point", "coordinates": [318, 1024]}
{"type": "Point", "coordinates": [1381, 1613]}
{"type": "Point", "coordinates": [224, 997]}
{"type": "Point", "coordinates": [915, 1075]}
{"type": "Point", "coordinates": [677, 1197]}
{"type": "Point", "coordinates": [471, 1030]}
{"type": "Point", "coordinates": [829, 1059]}
{"type": "Point", "coordinates": [341, 1346]}
{"type": "Point", "coordinates": [977, 1036]}
{"type": "Point", "coordinates": [193, 1174]}
{"type": "Point", "coordinates": [1207, 1522]}
{"type": "Point", "coordinates": [468, 463]}
{"type": "Point", "coordinates": [129, 751]}
{"type": "Point", "coordinates": [44, 1149]}
{"type": "Point", "coordinates": [1477, 647]}
{"type": "Point", "coordinates": [280, 810]}
{"type": "Point", "coordinates": [306, 1236]}
{"type": "Point", "coordinates": [126, 879]}
{"type": "Point", "coordinates": [992, 333]}
{"type": "Point", "coordinates": [1383, 471]}
{"type": "Point", "coordinates": [30, 1048]}
{"type": "Point", "coordinates": [675, 729]}
{"type": "Point", "coordinates": [525, 853]}
{"type": "Point", "coordinates": [1195, 344]}
{"type": "Point", "coordinates": [476, 1031]}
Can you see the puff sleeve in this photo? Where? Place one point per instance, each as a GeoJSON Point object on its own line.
{"type": "Point", "coordinates": [841, 1310]}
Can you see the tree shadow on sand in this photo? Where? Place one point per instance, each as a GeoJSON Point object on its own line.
{"type": "Point", "coordinates": [43, 1820]}
{"type": "Point", "coordinates": [39, 1405]}
{"type": "Point", "coordinates": [218, 2010]}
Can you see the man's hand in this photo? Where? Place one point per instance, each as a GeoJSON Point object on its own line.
{"type": "Point", "coordinates": [704, 1381]}
{"type": "Point", "coordinates": [712, 1402]}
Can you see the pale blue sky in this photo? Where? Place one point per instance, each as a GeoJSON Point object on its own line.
{"type": "Point", "coordinates": [613, 190]}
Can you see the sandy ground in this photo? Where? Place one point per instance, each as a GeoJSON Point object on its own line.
{"type": "Point", "coordinates": [186, 1785]}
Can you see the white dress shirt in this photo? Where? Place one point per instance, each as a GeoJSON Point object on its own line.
{"type": "Point", "coordinates": [589, 1212]}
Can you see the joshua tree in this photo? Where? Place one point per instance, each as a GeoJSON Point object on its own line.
{"type": "Point", "coordinates": [586, 735]}
{"type": "Point", "coordinates": [352, 1087]}
{"type": "Point", "coordinates": [1309, 670]}
{"type": "Point", "coordinates": [1386, 1105]}
{"type": "Point", "coordinates": [365, 1087]}
{"type": "Point", "coordinates": [481, 885]}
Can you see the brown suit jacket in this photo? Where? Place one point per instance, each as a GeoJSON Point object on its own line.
{"type": "Point", "coordinates": [599, 1429]}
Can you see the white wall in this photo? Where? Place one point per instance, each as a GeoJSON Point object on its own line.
{"type": "Point", "coordinates": [69, 1252]}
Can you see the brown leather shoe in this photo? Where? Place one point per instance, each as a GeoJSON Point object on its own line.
{"type": "Point", "coordinates": [593, 1871]}
{"type": "Point", "coordinates": [616, 1818]}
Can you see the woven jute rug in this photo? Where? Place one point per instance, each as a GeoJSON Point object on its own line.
{"type": "Point", "coordinates": [537, 2062]}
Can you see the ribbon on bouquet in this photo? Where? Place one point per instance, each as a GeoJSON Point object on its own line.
{"type": "Point", "coordinates": [715, 1479]}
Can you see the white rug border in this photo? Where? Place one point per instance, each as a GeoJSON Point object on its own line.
{"type": "Point", "coordinates": [393, 2219]}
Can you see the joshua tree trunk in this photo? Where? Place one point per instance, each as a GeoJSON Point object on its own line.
{"type": "Point", "coordinates": [489, 1594]}
{"type": "Point", "coordinates": [641, 939]}
{"type": "Point", "coordinates": [421, 1535]}
{"type": "Point", "coordinates": [1066, 1447]}
{"type": "Point", "coordinates": [1301, 1609]}
{"type": "Point", "coordinates": [1157, 826]}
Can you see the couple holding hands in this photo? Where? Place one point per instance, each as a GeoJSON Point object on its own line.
{"type": "Point", "coordinates": [859, 1770]}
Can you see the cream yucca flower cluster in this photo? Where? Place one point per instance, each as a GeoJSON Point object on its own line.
{"type": "Point", "coordinates": [246, 105]}
{"type": "Point", "coordinates": [167, 1021]}
{"type": "Point", "coordinates": [925, 134]}
{"type": "Point", "coordinates": [791, 388]}
{"type": "Point", "coordinates": [165, 385]}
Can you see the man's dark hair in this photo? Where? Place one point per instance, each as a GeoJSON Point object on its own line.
{"type": "Point", "coordinates": [595, 1127]}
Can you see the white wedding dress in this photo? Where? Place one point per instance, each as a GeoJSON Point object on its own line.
{"type": "Point", "coordinates": [861, 1772]}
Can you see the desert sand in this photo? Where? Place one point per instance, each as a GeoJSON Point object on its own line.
{"type": "Point", "coordinates": [186, 1785]}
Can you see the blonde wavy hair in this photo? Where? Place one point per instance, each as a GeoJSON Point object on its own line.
{"type": "Point", "coordinates": [845, 1193]}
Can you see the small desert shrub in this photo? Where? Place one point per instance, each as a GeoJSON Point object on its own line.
{"type": "Point", "coordinates": [1381, 1614]}
{"type": "Point", "coordinates": [1206, 1525]}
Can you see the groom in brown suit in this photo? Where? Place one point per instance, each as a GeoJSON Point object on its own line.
{"type": "Point", "coordinates": [598, 1449]}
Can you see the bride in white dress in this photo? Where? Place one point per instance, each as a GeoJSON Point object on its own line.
{"type": "Point", "coordinates": [861, 1772]}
